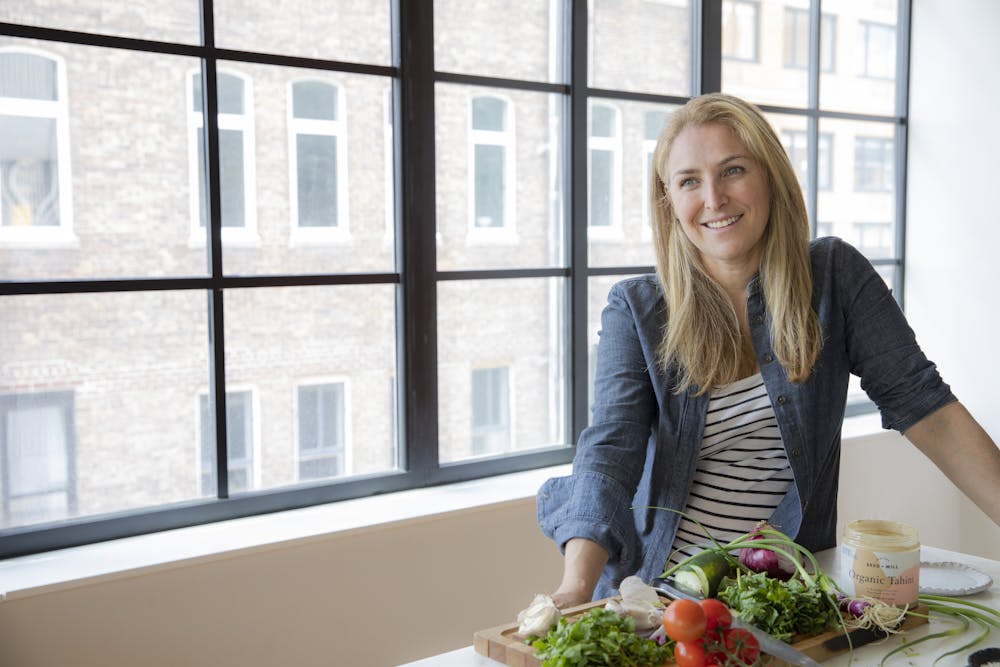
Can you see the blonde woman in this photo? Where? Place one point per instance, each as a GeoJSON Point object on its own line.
{"type": "Point", "coordinates": [721, 382]}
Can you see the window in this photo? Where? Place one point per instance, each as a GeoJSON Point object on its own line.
{"type": "Point", "coordinates": [414, 256]}
{"type": "Point", "coordinates": [795, 143]}
{"type": "Point", "coordinates": [240, 430]}
{"type": "Point", "coordinates": [873, 164]}
{"type": "Point", "coordinates": [874, 239]}
{"type": "Point", "coordinates": [34, 155]}
{"type": "Point", "coordinates": [796, 42]}
{"type": "Point", "coordinates": [741, 29]}
{"type": "Point", "coordinates": [322, 431]}
{"type": "Point", "coordinates": [36, 457]}
{"type": "Point", "coordinates": [236, 163]}
{"type": "Point", "coordinates": [492, 166]}
{"type": "Point", "coordinates": [605, 171]}
{"type": "Point", "coordinates": [878, 50]}
{"type": "Point", "coordinates": [491, 410]}
{"type": "Point", "coordinates": [318, 160]}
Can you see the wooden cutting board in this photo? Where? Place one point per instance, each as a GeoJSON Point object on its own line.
{"type": "Point", "coordinates": [504, 645]}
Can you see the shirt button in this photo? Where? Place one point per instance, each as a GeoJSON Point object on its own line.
{"type": "Point", "coordinates": [758, 319]}
{"type": "Point", "coordinates": [782, 400]}
{"type": "Point", "coordinates": [796, 453]}
{"type": "Point", "coordinates": [768, 358]}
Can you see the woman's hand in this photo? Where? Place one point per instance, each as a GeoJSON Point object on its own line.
{"type": "Point", "coordinates": [582, 567]}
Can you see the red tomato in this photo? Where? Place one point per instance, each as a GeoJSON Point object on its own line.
{"type": "Point", "coordinates": [742, 645]}
{"type": "Point", "coordinates": [684, 620]}
{"type": "Point", "coordinates": [717, 615]}
{"type": "Point", "coordinates": [689, 654]}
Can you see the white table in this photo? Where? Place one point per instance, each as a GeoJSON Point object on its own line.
{"type": "Point", "coordinates": [866, 656]}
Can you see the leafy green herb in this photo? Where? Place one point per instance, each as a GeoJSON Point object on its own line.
{"type": "Point", "coordinates": [599, 638]}
{"type": "Point", "coordinates": [781, 608]}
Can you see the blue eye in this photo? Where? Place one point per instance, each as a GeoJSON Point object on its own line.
{"type": "Point", "coordinates": [686, 182]}
{"type": "Point", "coordinates": [734, 169]}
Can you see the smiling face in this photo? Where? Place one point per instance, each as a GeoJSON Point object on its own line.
{"type": "Point", "coordinates": [720, 194]}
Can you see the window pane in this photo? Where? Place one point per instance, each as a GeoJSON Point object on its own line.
{"type": "Point", "coordinates": [602, 182]}
{"type": "Point", "coordinates": [499, 178]}
{"type": "Point", "coordinates": [29, 173]}
{"type": "Point", "coordinates": [316, 174]}
{"type": "Point", "coordinates": [765, 52]}
{"type": "Point", "coordinates": [861, 205]}
{"type": "Point", "coordinates": [314, 99]}
{"type": "Point", "coordinates": [115, 427]}
{"type": "Point", "coordinates": [177, 21]}
{"type": "Point", "coordinates": [317, 197]}
{"type": "Point", "coordinates": [620, 233]}
{"type": "Point", "coordinates": [480, 37]}
{"type": "Point", "coordinates": [280, 340]}
{"type": "Point", "coordinates": [489, 113]}
{"type": "Point", "coordinates": [240, 438]}
{"type": "Point", "coordinates": [490, 410]}
{"type": "Point", "coordinates": [866, 83]}
{"type": "Point", "coordinates": [490, 186]}
{"type": "Point", "coordinates": [643, 46]}
{"type": "Point", "coordinates": [475, 324]}
{"type": "Point", "coordinates": [27, 76]}
{"type": "Point", "coordinates": [36, 449]}
{"type": "Point", "coordinates": [328, 29]}
{"type": "Point", "coordinates": [132, 164]}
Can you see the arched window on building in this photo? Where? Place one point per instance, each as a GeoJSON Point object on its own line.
{"type": "Point", "coordinates": [236, 159]}
{"type": "Point", "coordinates": [318, 161]}
{"type": "Point", "coordinates": [492, 163]}
{"type": "Point", "coordinates": [35, 204]}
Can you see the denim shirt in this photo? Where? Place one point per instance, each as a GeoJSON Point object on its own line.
{"type": "Point", "coordinates": [642, 447]}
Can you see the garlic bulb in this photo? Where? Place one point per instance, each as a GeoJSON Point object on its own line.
{"type": "Point", "coordinates": [639, 601]}
{"type": "Point", "coordinates": [540, 616]}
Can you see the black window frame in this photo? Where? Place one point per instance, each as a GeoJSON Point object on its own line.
{"type": "Point", "coordinates": [413, 78]}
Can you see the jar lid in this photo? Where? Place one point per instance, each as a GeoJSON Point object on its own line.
{"type": "Point", "coordinates": [885, 534]}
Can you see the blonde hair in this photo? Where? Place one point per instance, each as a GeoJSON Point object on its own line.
{"type": "Point", "coordinates": [702, 335]}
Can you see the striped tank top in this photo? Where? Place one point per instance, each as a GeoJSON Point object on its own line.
{"type": "Point", "coordinates": [742, 471]}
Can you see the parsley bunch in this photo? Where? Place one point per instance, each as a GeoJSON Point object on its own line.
{"type": "Point", "coordinates": [781, 608]}
{"type": "Point", "coordinates": [599, 638]}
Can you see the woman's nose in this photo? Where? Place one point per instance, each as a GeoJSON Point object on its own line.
{"type": "Point", "coordinates": [715, 196]}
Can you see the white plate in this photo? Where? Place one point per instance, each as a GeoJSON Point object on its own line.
{"type": "Point", "coordinates": [952, 579]}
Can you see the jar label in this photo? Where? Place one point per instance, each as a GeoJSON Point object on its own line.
{"type": "Point", "coordinates": [890, 576]}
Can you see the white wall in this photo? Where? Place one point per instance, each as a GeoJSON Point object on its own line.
{"type": "Point", "coordinates": [953, 228]}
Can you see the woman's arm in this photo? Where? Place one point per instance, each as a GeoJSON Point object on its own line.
{"type": "Point", "coordinates": [582, 565]}
{"type": "Point", "coordinates": [965, 453]}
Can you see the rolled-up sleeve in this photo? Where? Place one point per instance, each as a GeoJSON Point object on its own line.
{"type": "Point", "coordinates": [595, 501]}
{"type": "Point", "coordinates": [895, 373]}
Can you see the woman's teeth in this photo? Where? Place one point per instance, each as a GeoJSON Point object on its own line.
{"type": "Point", "coordinates": [719, 224]}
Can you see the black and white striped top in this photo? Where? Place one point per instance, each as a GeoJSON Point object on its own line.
{"type": "Point", "coordinates": [742, 471]}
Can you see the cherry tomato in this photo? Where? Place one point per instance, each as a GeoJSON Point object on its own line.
{"type": "Point", "coordinates": [684, 620]}
{"type": "Point", "coordinates": [689, 654]}
{"type": "Point", "coordinates": [742, 645]}
{"type": "Point", "coordinates": [717, 615]}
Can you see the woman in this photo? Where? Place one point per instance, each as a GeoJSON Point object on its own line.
{"type": "Point", "coordinates": [721, 383]}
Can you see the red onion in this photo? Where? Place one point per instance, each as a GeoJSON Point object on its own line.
{"type": "Point", "coordinates": [763, 559]}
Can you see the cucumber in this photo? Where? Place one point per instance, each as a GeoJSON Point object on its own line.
{"type": "Point", "coordinates": [703, 574]}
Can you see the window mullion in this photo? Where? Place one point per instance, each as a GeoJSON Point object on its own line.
{"type": "Point", "coordinates": [577, 207]}
{"type": "Point", "coordinates": [415, 231]}
{"type": "Point", "coordinates": [707, 52]}
{"type": "Point", "coordinates": [217, 356]}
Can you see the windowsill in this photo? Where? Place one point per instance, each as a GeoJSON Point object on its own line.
{"type": "Point", "coordinates": [27, 576]}
{"type": "Point", "coordinates": [78, 566]}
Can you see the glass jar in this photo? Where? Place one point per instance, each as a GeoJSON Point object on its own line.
{"type": "Point", "coordinates": [881, 559]}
